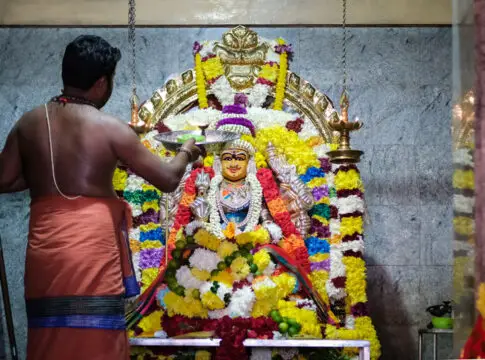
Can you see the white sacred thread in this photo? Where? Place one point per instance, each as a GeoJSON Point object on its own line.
{"type": "Point", "coordinates": [52, 158]}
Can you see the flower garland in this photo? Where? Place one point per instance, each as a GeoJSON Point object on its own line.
{"type": "Point", "coordinates": [210, 71]}
{"type": "Point", "coordinates": [283, 50]}
{"type": "Point", "coordinates": [199, 78]}
{"type": "Point", "coordinates": [350, 244]}
{"type": "Point", "coordinates": [214, 226]}
{"type": "Point", "coordinates": [292, 243]}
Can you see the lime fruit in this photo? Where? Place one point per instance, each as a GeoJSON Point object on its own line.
{"type": "Point", "coordinates": [236, 254]}
{"type": "Point", "coordinates": [283, 327]}
{"type": "Point", "coordinates": [292, 331]}
{"type": "Point", "coordinates": [190, 240]}
{"type": "Point", "coordinates": [196, 294]}
{"type": "Point", "coordinates": [215, 271]}
{"type": "Point", "coordinates": [228, 260]}
{"type": "Point", "coordinates": [177, 253]}
{"type": "Point", "coordinates": [253, 268]}
{"type": "Point", "coordinates": [221, 265]}
{"type": "Point", "coordinates": [179, 245]}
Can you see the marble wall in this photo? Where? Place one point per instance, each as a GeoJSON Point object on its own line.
{"type": "Point", "coordinates": [400, 86]}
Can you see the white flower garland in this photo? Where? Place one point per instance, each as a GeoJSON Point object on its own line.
{"type": "Point", "coordinates": [350, 204]}
{"type": "Point", "coordinates": [462, 157]}
{"type": "Point", "coordinates": [463, 204]}
{"type": "Point", "coordinates": [186, 279]}
{"type": "Point", "coordinates": [223, 91]}
{"type": "Point", "coordinates": [214, 225]}
{"type": "Point", "coordinates": [204, 259]}
{"type": "Point", "coordinates": [242, 302]}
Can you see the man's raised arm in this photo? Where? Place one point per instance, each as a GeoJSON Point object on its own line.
{"type": "Point", "coordinates": [11, 175]}
{"type": "Point", "coordinates": [166, 176]}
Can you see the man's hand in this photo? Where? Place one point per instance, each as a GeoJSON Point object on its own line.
{"type": "Point", "coordinates": [191, 149]}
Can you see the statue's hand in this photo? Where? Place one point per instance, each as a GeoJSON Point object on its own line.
{"type": "Point", "coordinates": [283, 170]}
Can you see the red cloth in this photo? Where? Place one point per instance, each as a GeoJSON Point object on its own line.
{"type": "Point", "coordinates": [76, 248]}
{"type": "Point", "coordinates": [475, 345]}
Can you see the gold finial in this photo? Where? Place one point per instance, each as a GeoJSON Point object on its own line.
{"type": "Point", "coordinates": [344, 154]}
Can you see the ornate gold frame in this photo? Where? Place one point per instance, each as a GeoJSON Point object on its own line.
{"type": "Point", "coordinates": [180, 93]}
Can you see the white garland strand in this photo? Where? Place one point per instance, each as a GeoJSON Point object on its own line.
{"type": "Point", "coordinates": [214, 225]}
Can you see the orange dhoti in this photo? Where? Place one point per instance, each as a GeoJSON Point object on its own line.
{"type": "Point", "coordinates": [78, 271]}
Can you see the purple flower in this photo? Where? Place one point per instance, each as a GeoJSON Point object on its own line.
{"type": "Point", "coordinates": [359, 309]}
{"type": "Point", "coordinates": [151, 216]}
{"type": "Point", "coordinates": [237, 121]}
{"type": "Point", "coordinates": [279, 49]}
{"type": "Point", "coordinates": [241, 99]}
{"type": "Point", "coordinates": [196, 48]}
{"type": "Point", "coordinates": [325, 165]}
{"type": "Point", "coordinates": [150, 258]}
{"type": "Point", "coordinates": [234, 109]}
{"type": "Point", "coordinates": [320, 192]}
{"type": "Point", "coordinates": [321, 265]}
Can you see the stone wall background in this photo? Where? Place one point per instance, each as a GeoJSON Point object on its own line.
{"type": "Point", "coordinates": [400, 86]}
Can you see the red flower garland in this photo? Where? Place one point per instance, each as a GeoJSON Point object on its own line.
{"type": "Point", "coordinates": [293, 238]}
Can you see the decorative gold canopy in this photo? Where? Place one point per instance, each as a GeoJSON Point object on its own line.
{"type": "Point", "coordinates": [241, 54]}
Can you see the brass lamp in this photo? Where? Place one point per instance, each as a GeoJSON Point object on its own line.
{"type": "Point", "coordinates": [344, 154]}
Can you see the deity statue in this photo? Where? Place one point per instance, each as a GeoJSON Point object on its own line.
{"type": "Point", "coordinates": [235, 194]}
{"type": "Point", "coordinates": [263, 238]}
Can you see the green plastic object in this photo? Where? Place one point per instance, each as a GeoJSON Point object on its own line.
{"type": "Point", "coordinates": [442, 322]}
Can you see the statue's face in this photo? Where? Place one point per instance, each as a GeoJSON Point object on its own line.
{"type": "Point", "coordinates": [234, 164]}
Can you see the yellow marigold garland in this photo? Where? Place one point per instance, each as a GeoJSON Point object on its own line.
{"type": "Point", "coordinates": [297, 151]}
{"type": "Point", "coordinates": [200, 82]}
{"type": "Point", "coordinates": [281, 84]}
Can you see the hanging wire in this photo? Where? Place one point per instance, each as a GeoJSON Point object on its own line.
{"type": "Point", "coordinates": [344, 45]}
{"type": "Point", "coordinates": [132, 41]}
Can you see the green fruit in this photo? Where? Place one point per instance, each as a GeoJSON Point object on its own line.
{"type": "Point", "coordinates": [173, 264]}
{"type": "Point", "coordinates": [190, 240]}
{"type": "Point", "coordinates": [249, 258]}
{"type": "Point", "coordinates": [196, 294]}
{"type": "Point", "coordinates": [221, 266]}
{"type": "Point", "coordinates": [244, 252]}
{"type": "Point", "coordinates": [253, 268]}
{"type": "Point", "coordinates": [248, 246]}
{"type": "Point", "coordinates": [228, 260]}
{"type": "Point", "coordinates": [283, 327]}
{"type": "Point", "coordinates": [215, 272]}
{"type": "Point", "coordinates": [292, 331]}
{"type": "Point", "coordinates": [179, 245]}
{"type": "Point", "coordinates": [275, 315]}
{"type": "Point", "coordinates": [292, 322]}
{"type": "Point", "coordinates": [177, 253]}
{"type": "Point", "coordinates": [236, 254]}
{"type": "Point", "coordinates": [180, 291]}
{"type": "Point", "coordinates": [258, 273]}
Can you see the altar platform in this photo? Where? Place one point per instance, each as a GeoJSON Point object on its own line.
{"type": "Point", "coordinates": [362, 345]}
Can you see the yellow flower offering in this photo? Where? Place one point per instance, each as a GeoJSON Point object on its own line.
{"type": "Point", "coordinates": [226, 248]}
{"type": "Point", "coordinates": [261, 259]}
{"type": "Point", "coordinates": [207, 240]}
{"type": "Point", "coordinates": [212, 301]}
{"type": "Point", "coordinates": [240, 268]}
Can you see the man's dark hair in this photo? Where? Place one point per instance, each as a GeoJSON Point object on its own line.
{"type": "Point", "coordinates": [87, 59]}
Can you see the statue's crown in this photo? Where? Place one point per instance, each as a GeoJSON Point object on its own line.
{"type": "Point", "coordinates": [237, 123]}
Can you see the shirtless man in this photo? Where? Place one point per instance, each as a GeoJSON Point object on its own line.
{"type": "Point", "coordinates": [65, 154]}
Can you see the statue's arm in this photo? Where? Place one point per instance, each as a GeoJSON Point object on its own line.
{"type": "Point", "coordinates": [11, 174]}
{"type": "Point", "coordinates": [166, 176]}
